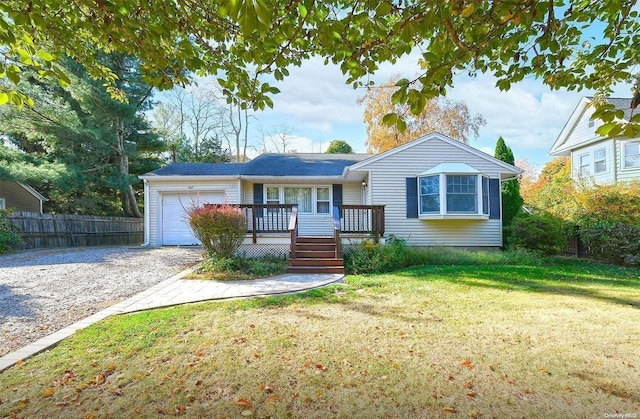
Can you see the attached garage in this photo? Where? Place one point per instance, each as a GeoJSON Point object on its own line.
{"type": "Point", "coordinates": [175, 229]}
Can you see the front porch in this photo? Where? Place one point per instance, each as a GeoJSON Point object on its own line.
{"type": "Point", "coordinates": [275, 228]}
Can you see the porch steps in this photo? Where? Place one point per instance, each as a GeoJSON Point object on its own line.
{"type": "Point", "coordinates": [315, 255]}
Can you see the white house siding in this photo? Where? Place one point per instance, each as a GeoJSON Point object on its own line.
{"type": "Point", "coordinates": [190, 189]}
{"type": "Point", "coordinates": [625, 175]}
{"type": "Point", "coordinates": [387, 187]}
{"type": "Point", "coordinates": [311, 224]}
{"type": "Point", "coordinates": [581, 131]}
{"type": "Point", "coordinates": [605, 177]}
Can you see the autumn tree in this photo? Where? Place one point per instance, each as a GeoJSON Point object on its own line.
{"type": "Point", "coordinates": [511, 199]}
{"type": "Point", "coordinates": [245, 42]}
{"type": "Point", "coordinates": [443, 115]}
{"type": "Point", "coordinates": [554, 191]}
{"type": "Point", "coordinates": [339, 147]}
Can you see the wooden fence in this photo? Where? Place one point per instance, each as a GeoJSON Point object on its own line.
{"type": "Point", "coordinates": [61, 230]}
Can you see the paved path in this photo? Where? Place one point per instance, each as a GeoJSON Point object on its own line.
{"type": "Point", "coordinates": [174, 291]}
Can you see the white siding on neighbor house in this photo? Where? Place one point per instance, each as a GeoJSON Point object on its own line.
{"type": "Point", "coordinates": [312, 224]}
{"type": "Point", "coordinates": [387, 185]}
{"type": "Point", "coordinates": [581, 131]}
{"type": "Point", "coordinates": [189, 189]}
{"type": "Point", "coordinates": [628, 174]}
{"type": "Point", "coordinates": [588, 152]}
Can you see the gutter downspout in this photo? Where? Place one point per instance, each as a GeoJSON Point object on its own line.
{"type": "Point", "coordinates": [615, 161]}
{"type": "Point", "coordinates": [146, 213]}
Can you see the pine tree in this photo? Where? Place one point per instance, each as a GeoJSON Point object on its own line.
{"type": "Point", "coordinates": [511, 199]}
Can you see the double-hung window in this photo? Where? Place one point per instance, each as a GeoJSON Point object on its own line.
{"type": "Point", "coordinates": [462, 194]}
{"type": "Point", "coordinates": [430, 194]}
{"type": "Point", "coordinates": [584, 166]}
{"type": "Point", "coordinates": [600, 161]}
{"type": "Point", "coordinates": [632, 154]}
{"type": "Point", "coordinates": [446, 193]}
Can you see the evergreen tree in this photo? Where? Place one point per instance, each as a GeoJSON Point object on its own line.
{"type": "Point", "coordinates": [98, 144]}
{"type": "Point", "coordinates": [511, 199]}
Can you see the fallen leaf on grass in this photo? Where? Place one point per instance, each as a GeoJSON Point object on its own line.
{"type": "Point", "coordinates": [471, 394]}
{"type": "Point", "coordinates": [545, 371]}
{"type": "Point", "coordinates": [48, 392]}
{"type": "Point", "coordinates": [467, 364]}
{"type": "Point", "coordinates": [244, 402]}
{"type": "Point", "coordinates": [449, 410]}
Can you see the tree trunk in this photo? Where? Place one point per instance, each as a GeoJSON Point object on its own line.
{"type": "Point", "coordinates": [128, 196]}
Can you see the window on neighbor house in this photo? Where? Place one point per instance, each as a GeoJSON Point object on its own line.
{"type": "Point", "coordinates": [632, 154]}
{"type": "Point", "coordinates": [600, 161]}
{"type": "Point", "coordinates": [3, 203]}
{"type": "Point", "coordinates": [592, 123]}
{"type": "Point", "coordinates": [461, 194]}
{"type": "Point", "coordinates": [584, 166]}
{"type": "Point", "coordinates": [322, 201]}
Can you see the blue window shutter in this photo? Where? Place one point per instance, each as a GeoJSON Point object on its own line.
{"type": "Point", "coordinates": [337, 194]}
{"type": "Point", "coordinates": [494, 199]}
{"type": "Point", "coordinates": [258, 193]}
{"type": "Point", "coordinates": [258, 196]}
{"type": "Point", "coordinates": [412, 197]}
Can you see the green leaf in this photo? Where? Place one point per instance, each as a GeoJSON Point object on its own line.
{"type": "Point", "coordinates": [390, 119]}
{"type": "Point", "coordinates": [4, 98]}
{"type": "Point", "coordinates": [302, 10]}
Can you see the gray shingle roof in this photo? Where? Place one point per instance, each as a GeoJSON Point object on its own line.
{"type": "Point", "coordinates": [302, 164]}
{"type": "Point", "coordinates": [623, 103]}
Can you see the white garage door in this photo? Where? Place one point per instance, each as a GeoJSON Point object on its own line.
{"type": "Point", "coordinates": [175, 224]}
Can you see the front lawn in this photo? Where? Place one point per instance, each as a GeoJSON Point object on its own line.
{"type": "Point", "coordinates": [558, 339]}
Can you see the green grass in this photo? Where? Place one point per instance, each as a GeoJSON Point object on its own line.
{"type": "Point", "coordinates": [552, 339]}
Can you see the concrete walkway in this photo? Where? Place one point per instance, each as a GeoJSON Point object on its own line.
{"type": "Point", "coordinates": [175, 291]}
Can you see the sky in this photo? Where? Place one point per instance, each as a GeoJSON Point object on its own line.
{"type": "Point", "coordinates": [317, 105]}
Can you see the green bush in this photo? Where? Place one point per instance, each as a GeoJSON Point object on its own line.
{"type": "Point", "coordinates": [368, 257]}
{"type": "Point", "coordinates": [537, 232]}
{"type": "Point", "coordinates": [244, 268]}
{"type": "Point", "coordinates": [612, 242]}
{"type": "Point", "coordinates": [220, 228]}
{"type": "Point", "coordinates": [8, 238]}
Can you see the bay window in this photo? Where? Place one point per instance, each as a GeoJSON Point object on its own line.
{"type": "Point", "coordinates": [463, 194]}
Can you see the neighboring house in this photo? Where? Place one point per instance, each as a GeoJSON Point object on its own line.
{"type": "Point", "coordinates": [433, 191]}
{"type": "Point", "coordinates": [597, 159]}
{"type": "Point", "coordinates": [20, 197]}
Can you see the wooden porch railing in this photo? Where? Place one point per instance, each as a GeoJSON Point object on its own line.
{"type": "Point", "coordinates": [336, 232]}
{"type": "Point", "coordinates": [293, 228]}
{"type": "Point", "coordinates": [363, 219]}
{"type": "Point", "coordinates": [267, 218]}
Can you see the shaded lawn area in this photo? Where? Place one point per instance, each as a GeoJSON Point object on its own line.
{"type": "Point", "coordinates": [556, 340]}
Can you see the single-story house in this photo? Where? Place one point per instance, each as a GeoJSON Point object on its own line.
{"type": "Point", "coordinates": [594, 158]}
{"type": "Point", "coordinates": [20, 197]}
{"type": "Point", "coordinates": [433, 191]}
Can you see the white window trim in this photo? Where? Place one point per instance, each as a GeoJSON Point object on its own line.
{"type": "Point", "coordinates": [314, 197]}
{"type": "Point", "coordinates": [624, 155]}
{"type": "Point", "coordinates": [580, 165]}
{"type": "Point", "coordinates": [443, 214]}
{"type": "Point", "coordinates": [606, 165]}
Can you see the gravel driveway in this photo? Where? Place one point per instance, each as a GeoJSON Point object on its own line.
{"type": "Point", "coordinates": [43, 291]}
